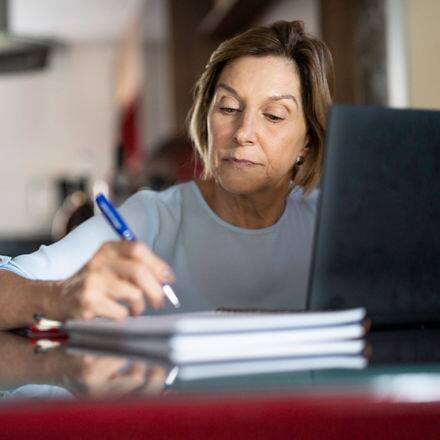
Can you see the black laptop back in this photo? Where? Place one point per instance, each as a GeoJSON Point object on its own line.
{"type": "Point", "coordinates": [377, 241]}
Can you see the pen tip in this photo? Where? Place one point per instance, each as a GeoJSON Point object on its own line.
{"type": "Point", "coordinates": [169, 292]}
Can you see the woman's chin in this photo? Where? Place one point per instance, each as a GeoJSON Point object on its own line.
{"type": "Point", "coordinates": [239, 184]}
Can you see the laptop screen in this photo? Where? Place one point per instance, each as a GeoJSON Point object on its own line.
{"type": "Point", "coordinates": [377, 242]}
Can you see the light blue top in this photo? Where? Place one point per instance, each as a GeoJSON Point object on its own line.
{"type": "Point", "coordinates": [216, 264]}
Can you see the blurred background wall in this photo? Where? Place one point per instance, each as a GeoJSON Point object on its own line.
{"type": "Point", "coordinates": [423, 46]}
{"type": "Point", "coordinates": [108, 110]}
{"type": "Point", "coordinates": [61, 120]}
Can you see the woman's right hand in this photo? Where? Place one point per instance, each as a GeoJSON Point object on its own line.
{"type": "Point", "coordinates": [120, 271]}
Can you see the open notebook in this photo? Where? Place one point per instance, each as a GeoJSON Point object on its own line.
{"type": "Point", "coordinates": [226, 336]}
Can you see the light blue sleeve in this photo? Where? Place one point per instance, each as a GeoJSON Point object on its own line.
{"type": "Point", "coordinates": [63, 258]}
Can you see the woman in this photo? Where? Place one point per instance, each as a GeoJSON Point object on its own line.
{"type": "Point", "coordinates": [240, 236]}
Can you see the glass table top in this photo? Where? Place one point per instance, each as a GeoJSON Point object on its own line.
{"type": "Point", "coordinates": [402, 365]}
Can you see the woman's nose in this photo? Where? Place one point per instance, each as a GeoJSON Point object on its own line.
{"type": "Point", "coordinates": [245, 132]}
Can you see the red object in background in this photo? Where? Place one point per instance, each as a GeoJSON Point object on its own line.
{"type": "Point", "coordinates": [308, 416]}
{"type": "Point", "coordinates": [129, 133]}
{"type": "Point", "coordinates": [179, 153]}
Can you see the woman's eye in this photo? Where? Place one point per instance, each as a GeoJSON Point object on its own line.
{"type": "Point", "coordinates": [274, 118]}
{"type": "Point", "coordinates": [229, 110]}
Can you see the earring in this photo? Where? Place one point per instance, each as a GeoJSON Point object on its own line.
{"type": "Point", "coordinates": [299, 161]}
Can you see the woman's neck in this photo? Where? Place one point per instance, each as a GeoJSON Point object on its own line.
{"type": "Point", "coordinates": [250, 211]}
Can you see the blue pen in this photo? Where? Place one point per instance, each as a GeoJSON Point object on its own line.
{"type": "Point", "coordinates": [122, 229]}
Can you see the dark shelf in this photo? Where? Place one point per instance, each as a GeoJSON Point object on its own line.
{"type": "Point", "coordinates": [223, 22]}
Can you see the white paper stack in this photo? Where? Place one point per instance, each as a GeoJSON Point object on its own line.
{"type": "Point", "coordinates": [223, 338]}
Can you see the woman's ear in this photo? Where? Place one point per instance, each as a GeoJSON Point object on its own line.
{"type": "Point", "coordinates": [306, 149]}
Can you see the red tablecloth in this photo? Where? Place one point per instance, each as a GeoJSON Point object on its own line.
{"type": "Point", "coordinates": [226, 417]}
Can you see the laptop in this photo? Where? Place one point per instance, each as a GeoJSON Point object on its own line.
{"type": "Point", "coordinates": [377, 238]}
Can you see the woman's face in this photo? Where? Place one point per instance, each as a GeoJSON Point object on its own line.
{"type": "Point", "coordinates": [256, 125]}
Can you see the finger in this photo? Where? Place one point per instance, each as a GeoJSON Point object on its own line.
{"type": "Point", "coordinates": [126, 383]}
{"type": "Point", "coordinates": [141, 252]}
{"type": "Point", "coordinates": [101, 369]}
{"type": "Point", "coordinates": [155, 381]}
{"type": "Point", "coordinates": [153, 291]}
{"type": "Point", "coordinates": [123, 290]}
{"type": "Point", "coordinates": [109, 308]}
{"type": "Point", "coordinates": [137, 367]}
{"type": "Point", "coordinates": [141, 277]}
{"type": "Point", "coordinates": [108, 365]}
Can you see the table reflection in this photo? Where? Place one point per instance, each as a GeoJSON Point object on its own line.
{"type": "Point", "coordinates": [28, 370]}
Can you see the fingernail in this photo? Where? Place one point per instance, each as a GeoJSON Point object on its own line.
{"type": "Point", "coordinates": [167, 275]}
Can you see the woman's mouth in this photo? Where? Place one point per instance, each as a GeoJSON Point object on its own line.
{"type": "Point", "coordinates": [240, 163]}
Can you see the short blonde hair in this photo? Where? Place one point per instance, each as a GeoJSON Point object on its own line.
{"type": "Point", "coordinates": [314, 63]}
